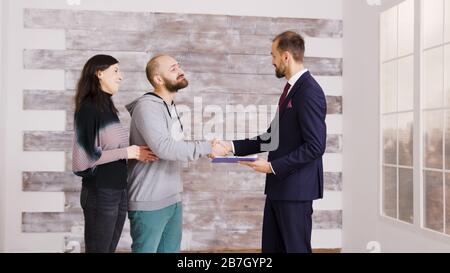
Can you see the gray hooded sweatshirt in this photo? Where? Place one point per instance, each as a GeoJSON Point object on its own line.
{"type": "Point", "coordinates": [156, 185]}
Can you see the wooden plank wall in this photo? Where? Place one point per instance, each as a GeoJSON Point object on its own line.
{"type": "Point", "coordinates": [227, 61]}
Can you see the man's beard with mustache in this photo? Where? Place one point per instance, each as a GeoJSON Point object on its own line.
{"type": "Point", "coordinates": [279, 73]}
{"type": "Point", "coordinates": [177, 85]}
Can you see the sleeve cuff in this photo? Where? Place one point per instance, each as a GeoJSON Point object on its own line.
{"type": "Point", "coordinates": [232, 147]}
{"type": "Point", "coordinates": [124, 153]}
{"type": "Point", "coordinates": [270, 164]}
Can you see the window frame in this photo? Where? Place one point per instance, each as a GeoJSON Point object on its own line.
{"type": "Point", "coordinates": [418, 224]}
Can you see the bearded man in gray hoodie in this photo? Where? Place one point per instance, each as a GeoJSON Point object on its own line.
{"type": "Point", "coordinates": [155, 188]}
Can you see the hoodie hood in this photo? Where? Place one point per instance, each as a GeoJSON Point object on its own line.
{"type": "Point", "coordinates": [146, 97]}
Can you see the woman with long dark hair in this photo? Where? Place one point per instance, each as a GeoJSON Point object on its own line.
{"type": "Point", "coordinates": [100, 153]}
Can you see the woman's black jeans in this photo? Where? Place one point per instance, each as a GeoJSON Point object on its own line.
{"type": "Point", "coordinates": [105, 212]}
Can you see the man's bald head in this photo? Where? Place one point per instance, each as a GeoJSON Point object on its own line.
{"type": "Point", "coordinates": [153, 68]}
{"type": "Point", "coordinates": [164, 70]}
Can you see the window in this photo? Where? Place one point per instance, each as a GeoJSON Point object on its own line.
{"type": "Point", "coordinates": [435, 94]}
{"type": "Point", "coordinates": [409, 106]}
{"type": "Point", "coordinates": [397, 111]}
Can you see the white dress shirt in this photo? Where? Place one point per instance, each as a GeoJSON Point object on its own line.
{"type": "Point", "coordinates": [295, 78]}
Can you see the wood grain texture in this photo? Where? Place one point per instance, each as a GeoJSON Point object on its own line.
{"type": "Point", "coordinates": [227, 62]}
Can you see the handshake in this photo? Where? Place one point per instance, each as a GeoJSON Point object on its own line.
{"type": "Point", "coordinates": [220, 148]}
{"type": "Point", "coordinates": [223, 148]}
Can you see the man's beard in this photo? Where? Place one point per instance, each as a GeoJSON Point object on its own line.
{"type": "Point", "coordinates": [176, 85]}
{"type": "Point", "coordinates": [279, 72]}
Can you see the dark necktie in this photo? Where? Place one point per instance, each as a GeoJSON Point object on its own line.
{"type": "Point", "coordinates": [284, 95]}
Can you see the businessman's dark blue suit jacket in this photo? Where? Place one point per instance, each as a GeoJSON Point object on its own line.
{"type": "Point", "coordinates": [297, 161]}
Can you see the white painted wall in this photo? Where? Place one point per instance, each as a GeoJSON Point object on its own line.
{"type": "Point", "coordinates": [361, 221]}
{"type": "Point", "coordinates": [16, 201]}
{"type": "Point", "coordinates": [2, 133]}
{"type": "Point", "coordinates": [14, 120]}
{"type": "Point", "coordinates": [327, 9]}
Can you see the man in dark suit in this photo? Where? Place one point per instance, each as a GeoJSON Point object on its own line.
{"type": "Point", "coordinates": [296, 142]}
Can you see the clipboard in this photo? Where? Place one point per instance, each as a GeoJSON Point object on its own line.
{"type": "Point", "coordinates": [234, 159]}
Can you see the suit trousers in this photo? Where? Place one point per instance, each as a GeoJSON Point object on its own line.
{"type": "Point", "coordinates": [287, 226]}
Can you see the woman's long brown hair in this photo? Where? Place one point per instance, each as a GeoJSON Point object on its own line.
{"type": "Point", "coordinates": [89, 88]}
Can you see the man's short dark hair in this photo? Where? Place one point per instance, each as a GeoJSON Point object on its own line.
{"type": "Point", "coordinates": [292, 42]}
